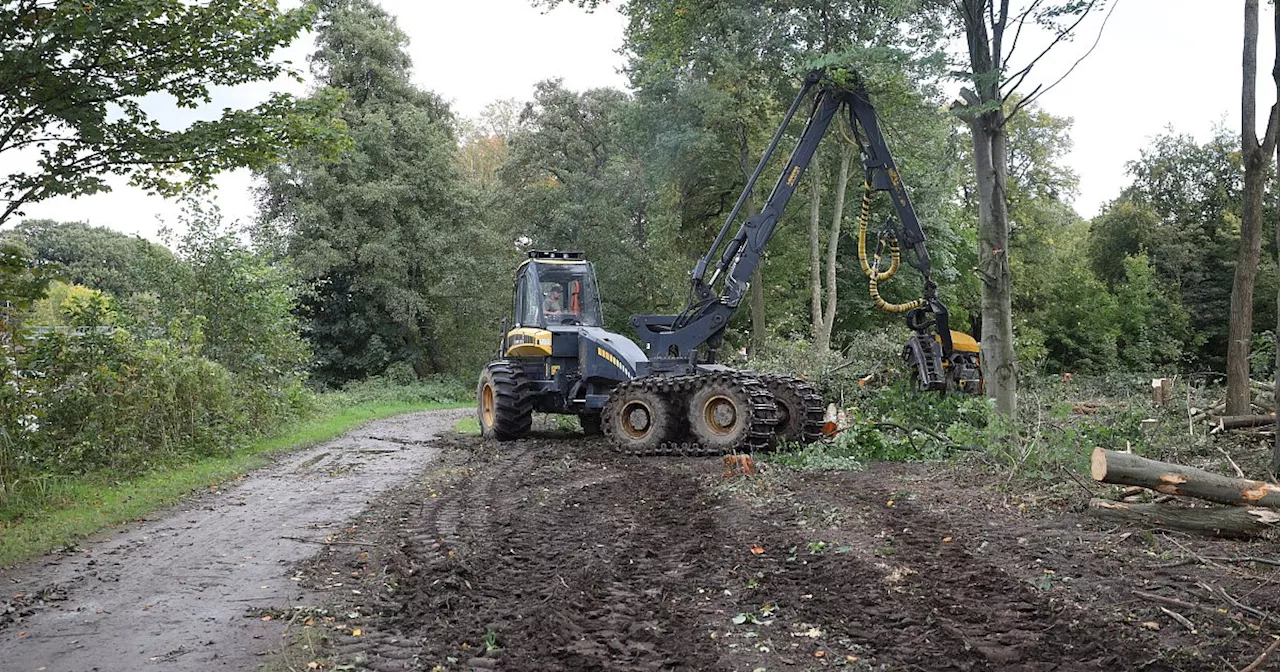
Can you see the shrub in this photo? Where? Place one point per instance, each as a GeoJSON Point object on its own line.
{"type": "Point", "coordinates": [838, 375]}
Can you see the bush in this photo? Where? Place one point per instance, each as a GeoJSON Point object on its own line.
{"type": "Point", "coordinates": [837, 375]}
{"type": "Point", "coordinates": [407, 389]}
{"type": "Point", "coordinates": [109, 400]}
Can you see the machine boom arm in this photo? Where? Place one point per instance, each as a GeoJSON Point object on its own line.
{"type": "Point", "coordinates": [673, 340]}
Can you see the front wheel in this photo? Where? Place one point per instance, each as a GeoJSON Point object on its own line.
{"type": "Point", "coordinates": [504, 406]}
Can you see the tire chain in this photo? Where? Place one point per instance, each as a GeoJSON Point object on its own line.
{"type": "Point", "coordinates": [680, 388]}
{"type": "Point", "coordinates": [815, 409]}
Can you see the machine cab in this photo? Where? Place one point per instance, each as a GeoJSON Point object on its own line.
{"type": "Point", "coordinates": [554, 289]}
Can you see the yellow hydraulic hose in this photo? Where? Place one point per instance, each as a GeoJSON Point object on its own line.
{"type": "Point", "coordinates": [874, 285]}
{"type": "Point", "coordinates": [894, 257]}
{"type": "Point", "coordinates": [872, 270]}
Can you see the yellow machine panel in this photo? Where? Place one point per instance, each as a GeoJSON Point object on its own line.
{"type": "Point", "coordinates": [528, 342]}
{"type": "Point", "coordinates": [963, 342]}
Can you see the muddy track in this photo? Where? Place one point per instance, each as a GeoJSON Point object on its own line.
{"type": "Point", "coordinates": [568, 566]}
{"type": "Point", "coordinates": [179, 592]}
{"type": "Point", "coordinates": [554, 553]}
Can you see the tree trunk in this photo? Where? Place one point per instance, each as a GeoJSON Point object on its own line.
{"type": "Point", "coordinates": [758, 333]}
{"type": "Point", "coordinates": [815, 253]}
{"type": "Point", "coordinates": [990, 158]}
{"type": "Point", "coordinates": [1232, 522]}
{"type": "Point", "coordinates": [1255, 156]}
{"type": "Point", "coordinates": [1110, 466]}
{"type": "Point", "coordinates": [833, 246]}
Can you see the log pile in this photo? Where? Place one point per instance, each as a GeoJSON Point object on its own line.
{"type": "Point", "coordinates": [1261, 420]}
{"type": "Point", "coordinates": [1252, 508]}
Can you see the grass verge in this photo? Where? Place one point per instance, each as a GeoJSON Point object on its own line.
{"type": "Point", "coordinates": [59, 511]}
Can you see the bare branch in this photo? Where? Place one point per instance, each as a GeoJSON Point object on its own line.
{"type": "Point", "coordinates": [1062, 35]}
{"type": "Point", "coordinates": [1036, 94]}
{"type": "Point", "coordinates": [1022, 20]}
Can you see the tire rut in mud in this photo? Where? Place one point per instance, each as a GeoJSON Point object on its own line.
{"type": "Point", "coordinates": [564, 561]}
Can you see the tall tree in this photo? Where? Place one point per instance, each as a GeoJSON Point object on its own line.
{"type": "Point", "coordinates": [1256, 157]}
{"type": "Point", "coordinates": [74, 74]}
{"type": "Point", "coordinates": [986, 25]}
{"type": "Point", "coordinates": [98, 257]}
{"type": "Point", "coordinates": [377, 234]}
{"type": "Point", "coordinates": [576, 178]}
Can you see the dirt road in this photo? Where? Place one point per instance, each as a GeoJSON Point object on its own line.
{"type": "Point", "coordinates": [174, 593]}
{"type": "Point", "coordinates": [554, 553]}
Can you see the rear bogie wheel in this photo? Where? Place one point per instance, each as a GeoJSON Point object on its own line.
{"type": "Point", "coordinates": [638, 420]}
{"type": "Point", "coordinates": [800, 409]}
{"type": "Point", "coordinates": [504, 402]}
{"type": "Point", "coordinates": [725, 415]}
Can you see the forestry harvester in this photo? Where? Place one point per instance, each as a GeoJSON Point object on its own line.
{"type": "Point", "coordinates": [671, 396]}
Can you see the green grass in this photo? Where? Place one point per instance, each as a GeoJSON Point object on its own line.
{"type": "Point", "coordinates": [58, 512]}
{"type": "Point", "coordinates": [467, 426]}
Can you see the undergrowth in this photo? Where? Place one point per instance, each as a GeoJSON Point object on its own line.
{"type": "Point", "coordinates": [1059, 424]}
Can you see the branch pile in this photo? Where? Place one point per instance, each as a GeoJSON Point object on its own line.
{"type": "Point", "coordinates": [1250, 511]}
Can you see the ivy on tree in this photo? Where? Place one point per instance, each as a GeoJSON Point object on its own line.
{"type": "Point", "coordinates": [74, 76]}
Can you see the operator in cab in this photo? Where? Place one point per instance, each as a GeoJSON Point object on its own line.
{"type": "Point", "coordinates": [553, 305]}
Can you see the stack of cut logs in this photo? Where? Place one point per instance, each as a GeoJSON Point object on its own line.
{"type": "Point", "coordinates": [1252, 507]}
{"type": "Point", "coordinates": [1262, 404]}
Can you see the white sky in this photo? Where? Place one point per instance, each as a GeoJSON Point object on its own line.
{"type": "Point", "coordinates": [1160, 63]}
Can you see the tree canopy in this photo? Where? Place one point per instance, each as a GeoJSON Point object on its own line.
{"type": "Point", "coordinates": [75, 78]}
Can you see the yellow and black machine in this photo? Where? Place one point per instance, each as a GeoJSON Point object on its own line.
{"type": "Point", "coordinates": [672, 396]}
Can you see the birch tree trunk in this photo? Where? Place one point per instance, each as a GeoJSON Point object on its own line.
{"type": "Point", "coordinates": [833, 246]}
{"type": "Point", "coordinates": [815, 253]}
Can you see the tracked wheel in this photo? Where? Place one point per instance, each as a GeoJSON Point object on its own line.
{"type": "Point", "coordinates": [731, 413]}
{"type": "Point", "coordinates": [504, 403]}
{"type": "Point", "coordinates": [800, 409]}
{"type": "Point", "coordinates": [639, 420]}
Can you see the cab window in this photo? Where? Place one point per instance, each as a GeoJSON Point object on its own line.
{"type": "Point", "coordinates": [569, 294]}
{"type": "Point", "coordinates": [527, 298]}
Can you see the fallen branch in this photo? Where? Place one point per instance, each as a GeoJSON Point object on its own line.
{"type": "Point", "coordinates": [1243, 559]}
{"type": "Point", "coordinates": [1257, 662]}
{"type": "Point", "coordinates": [323, 542]}
{"type": "Point", "coordinates": [1110, 466]}
{"type": "Point", "coordinates": [1173, 602]}
{"type": "Point", "coordinates": [1180, 618]}
{"type": "Point", "coordinates": [1225, 522]}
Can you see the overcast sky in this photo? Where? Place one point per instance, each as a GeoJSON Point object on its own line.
{"type": "Point", "coordinates": [1159, 64]}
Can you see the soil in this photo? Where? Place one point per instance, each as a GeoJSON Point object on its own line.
{"type": "Point", "coordinates": [555, 553]}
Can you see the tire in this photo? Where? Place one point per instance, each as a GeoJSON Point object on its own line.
{"type": "Point", "coordinates": [504, 405]}
{"type": "Point", "coordinates": [591, 424]}
{"type": "Point", "coordinates": [722, 415]}
{"type": "Point", "coordinates": [638, 420]}
{"type": "Point", "coordinates": [800, 409]}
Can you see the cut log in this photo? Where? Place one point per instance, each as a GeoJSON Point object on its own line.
{"type": "Point", "coordinates": [1226, 522]}
{"type": "Point", "coordinates": [1161, 390]}
{"type": "Point", "coordinates": [1118, 468]}
{"type": "Point", "coordinates": [1239, 421]}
